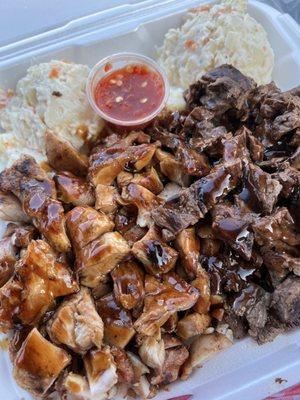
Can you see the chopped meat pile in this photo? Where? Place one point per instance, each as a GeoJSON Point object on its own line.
{"type": "Point", "coordinates": [124, 269]}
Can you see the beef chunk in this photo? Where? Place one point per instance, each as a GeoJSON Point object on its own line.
{"type": "Point", "coordinates": [178, 213]}
{"type": "Point", "coordinates": [286, 301]}
{"type": "Point", "coordinates": [275, 113]}
{"type": "Point", "coordinates": [222, 89]}
{"type": "Point", "coordinates": [260, 189]}
{"type": "Point", "coordinates": [276, 229]}
{"type": "Point", "coordinates": [189, 206]}
{"type": "Point", "coordinates": [230, 224]}
{"type": "Point", "coordinates": [289, 178]}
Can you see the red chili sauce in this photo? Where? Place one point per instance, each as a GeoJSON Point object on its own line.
{"type": "Point", "coordinates": [130, 93]}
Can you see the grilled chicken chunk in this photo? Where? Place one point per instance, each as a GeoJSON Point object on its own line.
{"type": "Point", "coordinates": [100, 257]}
{"type": "Point", "coordinates": [164, 296]}
{"type": "Point", "coordinates": [107, 163]}
{"type": "Point", "coordinates": [128, 278]}
{"type": "Point", "coordinates": [189, 250]}
{"type": "Point", "coordinates": [30, 183]}
{"type": "Point", "coordinates": [174, 359]}
{"type": "Point", "coordinates": [143, 199]}
{"type": "Point", "coordinates": [106, 199]}
{"type": "Point", "coordinates": [192, 325]}
{"type": "Point", "coordinates": [38, 363]}
{"type": "Point", "coordinates": [62, 156]}
{"type": "Point", "coordinates": [74, 190]}
{"type": "Point", "coordinates": [101, 371]}
{"type": "Point", "coordinates": [203, 348]}
{"type": "Point", "coordinates": [76, 323]}
{"type": "Point", "coordinates": [118, 328]}
{"type": "Point", "coordinates": [39, 279]}
{"type": "Point", "coordinates": [74, 387]}
{"type": "Point", "coordinates": [156, 256]}
{"type": "Point", "coordinates": [152, 353]}
{"type": "Point", "coordinates": [11, 209]}
{"type": "Point", "coordinates": [85, 225]}
{"type": "Point", "coordinates": [141, 384]}
{"type": "Point", "coordinates": [8, 258]}
{"type": "Point", "coordinates": [124, 366]}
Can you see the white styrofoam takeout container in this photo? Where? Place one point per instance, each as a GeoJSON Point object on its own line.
{"type": "Point", "coordinates": [245, 371]}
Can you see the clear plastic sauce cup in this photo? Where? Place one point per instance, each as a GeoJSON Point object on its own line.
{"type": "Point", "coordinates": [127, 89]}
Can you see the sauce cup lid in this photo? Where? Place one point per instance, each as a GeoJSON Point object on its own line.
{"type": "Point", "coordinates": [115, 62]}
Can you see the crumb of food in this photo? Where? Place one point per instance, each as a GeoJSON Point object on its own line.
{"type": "Point", "coordinates": [215, 35]}
{"type": "Point", "coordinates": [280, 380]}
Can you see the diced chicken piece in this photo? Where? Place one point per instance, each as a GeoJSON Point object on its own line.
{"type": "Point", "coordinates": [171, 323]}
{"type": "Point", "coordinates": [76, 323]}
{"type": "Point", "coordinates": [128, 280]}
{"type": "Point", "coordinates": [30, 183]}
{"type": "Point", "coordinates": [8, 258]}
{"type": "Point", "coordinates": [171, 341]}
{"type": "Point", "coordinates": [143, 199]}
{"type": "Point", "coordinates": [38, 364]}
{"type": "Point", "coordinates": [101, 372]}
{"type": "Point", "coordinates": [118, 327]}
{"type": "Point", "coordinates": [174, 359]}
{"type": "Point", "coordinates": [202, 283]}
{"type": "Point", "coordinates": [26, 177]}
{"type": "Point", "coordinates": [21, 235]}
{"type": "Point", "coordinates": [148, 179]}
{"type": "Point", "coordinates": [172, 168]}
{"type": "Point", "coordinates": [189, 251]}
{"type": "Point", "coordinates": [62, 156]}
{"type": "Point", "coordinates": [40, 278]}
{"type": "Point", "coordinates": [203, 348]}
{"type": "Point", "coordinates": [170, 190]}
{"type": "Point", "coordinates": [74, 190]}
{"type": "Point", "coordinates": [49, 219]}
{"type": "Point", "coordinates": [100, 257]}
{"type": "Point", "coordinates": [74, 387]}
{"type": "Point", "coordinates": [192, 325]}
{"type": "Point", "coordinates": [106, 199]}
{"type": "Point", "coordinates": [152, 353]}
{"type": "Point", "coordinates": [156, 256]}
{"type": "Point", "coordinates": [141, 386]}
{"type": "Point", "coordinates": [11, 209]}
{"type": "Point", "coordinates": [107, 163]}
{"type": "Point", "coordinates": [124, 366]}
{"type": "Point", "coordinates": [86, 224]}
{"type": "Point", "coordinates": [171, 295]}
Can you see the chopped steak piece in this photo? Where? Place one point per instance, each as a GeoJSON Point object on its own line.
{"type": "Point", "coordinates": [189, 206]}
{"type": "Point", "coordinates": [39, 363]}
{"type": "Point", "coordinates": [222, 89]}
{"type": "Point", "coordinates": [275, 229]}
{"type": "Point", "coordinates": [178, 213]}
{"type": "Point", "coordinates": [286, 301]}
{"type": "Point", "coordinates": [262, 189]}
{"type": "Point", "coordinates": [289, 178]}
{"type": "Point", "coordinates": [230, 224]}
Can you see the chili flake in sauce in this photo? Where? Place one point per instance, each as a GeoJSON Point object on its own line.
{"type": "Point", "coordinates": [130, 93]}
